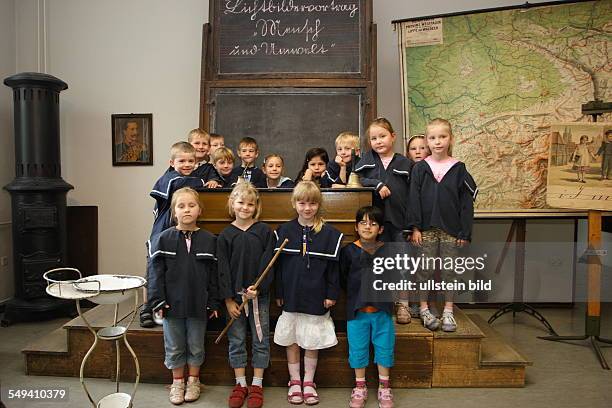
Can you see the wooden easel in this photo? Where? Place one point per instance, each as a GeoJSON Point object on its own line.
{"type": "Point", "coordinates": [593, 311]}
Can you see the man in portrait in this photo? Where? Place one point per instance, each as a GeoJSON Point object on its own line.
{"type": "Point", "coordinates": [131, 148]}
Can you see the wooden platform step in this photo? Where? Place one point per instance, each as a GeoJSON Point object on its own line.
{"type": "Point", "coordinates": [102, 316]}
{"type": "Point", "coordinates": [457, 359]}
{"type": "Point", "coordinates": [473, 356]}
{"type": "Point", "coordinates": [494, 350]}
{"type": "Point", "coordinates": [55, 342]}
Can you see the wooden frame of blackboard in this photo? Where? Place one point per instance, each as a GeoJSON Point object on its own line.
{"type": "Point", "coordinates": [208, 83]}
{"type": "Point", "coordinates": [212, 46]}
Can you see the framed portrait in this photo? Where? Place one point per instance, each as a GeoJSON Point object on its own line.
{"type": "Point", "coordinates": [132, 139]}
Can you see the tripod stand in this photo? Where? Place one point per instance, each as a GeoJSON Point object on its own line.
{"type": "Point", "coordinates": [593, 312]}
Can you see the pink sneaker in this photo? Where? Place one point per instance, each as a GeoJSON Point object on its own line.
{"type": "Point", "coordinates": [385, 398]}
{"type": "Point", "coordinates": [359, 396]}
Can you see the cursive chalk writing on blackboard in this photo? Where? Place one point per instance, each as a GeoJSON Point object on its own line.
{"type": "Point", "coordinates": [275, 28]}
{"type": "Point", "coordinates": [285, 36]}
{"type": "Point", "coordinates": [254, 7]}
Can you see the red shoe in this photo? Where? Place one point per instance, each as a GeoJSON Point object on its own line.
{"type": "Point", "coordinates": [295, 398]}
{"type": "Point", "coordinates": [237, 397]}
{"type": "Point", "coordinates": [255, 399]}
{"type": "Point", "coordinates": [310, 398]}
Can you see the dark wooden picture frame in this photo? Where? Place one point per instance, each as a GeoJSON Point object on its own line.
{"type": "Point", "coordinates": [132, 139]}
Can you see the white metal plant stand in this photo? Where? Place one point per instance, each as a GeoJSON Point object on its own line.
{"type": "Point", "coordinates": [103, 290]}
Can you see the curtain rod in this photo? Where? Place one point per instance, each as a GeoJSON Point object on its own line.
{"type": "Point", "coordinates": [524, 6]}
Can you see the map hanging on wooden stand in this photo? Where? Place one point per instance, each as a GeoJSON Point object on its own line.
{"type": "Point", "coordinates": [502, 78]}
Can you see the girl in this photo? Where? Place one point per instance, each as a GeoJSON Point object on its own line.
{"type": "Point", "coordinates": [244, 249]}
{"type": "Point", "coordinates": [442, 195]}
{"type": "Point", "coordinates": [389, 173]}
{"type": "Point", "coordinates": [273, 169]}
{"type": "Point", "coordinates": [582, 157]}
{"type": "Point", "coordinates": [369, 317]}
{"type": "Point", "coordinates": [416, 148]}
{"type": "Point", "coordinates": [182, 285]}
{"type": "Point", "coordinates": [307, 285]}
{"type": "Point", "coordinates": [315, 168]}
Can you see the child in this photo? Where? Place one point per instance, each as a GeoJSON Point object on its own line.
{"type": "Point", "coordinates": [315, 168]}
{"type": "Point", "coordinates": [389, 174]}
{"type": "Point", "coordinates": [367, 322]}
{"type": "Point", "coordinates": [416, 148]}
{"type": "Point", "coordinates": [606, 150]}
{"type": "Point", "coordinates": [582, 157]}
{"type": "Point", "coordinates": [248, 151]}
{"type": "Point", "coordinates": [182, 285]}
{"type": "Point", "coordinates": [223, 160]}
{"type": "Point", "coordinates": [442, 195]}
{"type": "Point", "coordinates": [199, 139]}
{"type": "Point", "coordinates": [182, 163]}
{"type": "Point", "coordinates": [347, 144]}
{"type": "Point", "coordinates": [244, 249]}
{"type": "Point", "coordinates": [273, 169]}
{"type": "Point", "coordinates": [216, 141]}
{"type": "Point", "coordinates": [307, 285]}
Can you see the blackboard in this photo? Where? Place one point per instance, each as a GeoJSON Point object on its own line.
{"type": "Point", "coordinates": [301, 37]}
{"type": "Point", "coordinates": [287, 121]}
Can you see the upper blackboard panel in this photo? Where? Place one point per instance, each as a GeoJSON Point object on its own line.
{"type": "Point", "coordinates": [295, 38]}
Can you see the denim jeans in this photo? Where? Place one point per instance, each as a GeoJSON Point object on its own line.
{"type": "Point", "coordinates": [184, 341]}
{"type": "Point", "coordinates": [237, 337]}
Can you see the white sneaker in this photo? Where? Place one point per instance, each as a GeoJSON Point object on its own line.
{"type": "Point", "coordinates": [429, 320]}
{"type": "Point", "coordinates": [448, 322]}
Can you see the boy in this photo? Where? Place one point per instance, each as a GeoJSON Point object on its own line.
{"type": "Point", "coordinates": [199, 139]}
{"type": "Point", "coordinates": [606, 150]}
{"type": "Point", "coordinates": [369, 321]}
{"type": "Point", "coordinates": [223, 160]}
{"type": "Point", "coordinates": [248, 151]}
{"type": "Point", "coordinates": [341, 168]}
{"type": "Point", "coordinates": [179, 175]}
{"type": "Point", "coordinates": [216, 141]}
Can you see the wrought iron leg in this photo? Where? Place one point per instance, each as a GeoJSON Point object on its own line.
{"type": "Point", "coordinates": [593, 340]}
{"type": "Point", "coordinates": [522, 307]}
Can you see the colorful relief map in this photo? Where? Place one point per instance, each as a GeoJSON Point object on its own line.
{"type": "Point", "coordinates": [502, 78]}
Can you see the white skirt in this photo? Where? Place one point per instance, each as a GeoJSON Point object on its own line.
{"type": "Point", "coordinates": [310, 332]}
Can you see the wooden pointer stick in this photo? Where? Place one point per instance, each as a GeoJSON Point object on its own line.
{"type": "Point", "coordinates": [255, 286]}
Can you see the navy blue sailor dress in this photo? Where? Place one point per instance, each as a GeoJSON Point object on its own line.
{"type": "Point", "coordinates": [396, 177]}
{"type": "Point", "coordinates": [186, 281]}
{"type": "Point", "coordinates": [307, 273]}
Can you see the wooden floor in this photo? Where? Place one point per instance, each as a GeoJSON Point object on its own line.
{"type": "Point", "coordinates": [474, 356]}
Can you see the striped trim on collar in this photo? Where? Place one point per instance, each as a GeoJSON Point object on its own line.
{"type": "Point", "coordinates": [161, 193]}
{"type": "Point", "coordinates": [363, 166]}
